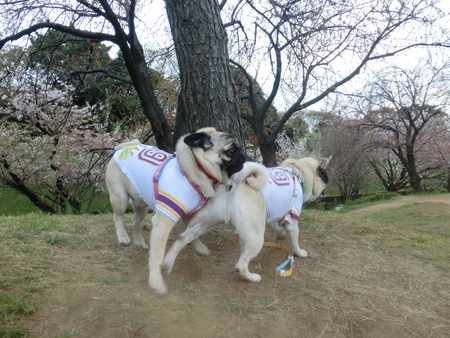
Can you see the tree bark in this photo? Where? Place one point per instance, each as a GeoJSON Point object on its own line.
{"type": "Point", "coordinates": [448, 182]}
{"type": "Point", "coordinates": [268, 153]}
{"type": "Point", "coordinates": [133, 55]}
{"type": "Point", "coordinates": [207, 96]}
{"type": "Point", "coordinates": [414, 177]}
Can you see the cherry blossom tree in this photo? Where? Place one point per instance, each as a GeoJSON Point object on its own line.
{"type": "Point", "coordinates": [52, 151]}
{"type": "Point", "coordinates": [402, 112]}
{"type": "Point", "coordinates": [207, 96]}
{"type": "Point", "coordinates": [303, 51]}
{"type": "Point", "coordinates": [434, 155]}
{"type": "Point", "coordinates": [389, 170]}
{"type": "Point", "coordinates": [344, 143]}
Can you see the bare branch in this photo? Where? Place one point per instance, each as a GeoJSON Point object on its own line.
{"type": "Point", "coordinates": [232, 23]}
{"type": "Point", "coordinates": [222, 4]}
{"type": "Point", "coordinates": [104, 71]}
{"type": "Point", "coordinates": [61, 28]}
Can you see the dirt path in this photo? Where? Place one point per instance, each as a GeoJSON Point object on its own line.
{"type": "Point", "coordinates": [440, 198]}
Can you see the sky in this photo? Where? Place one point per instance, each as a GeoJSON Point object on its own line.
{"type": "Point", "coordinates": [155, 34]}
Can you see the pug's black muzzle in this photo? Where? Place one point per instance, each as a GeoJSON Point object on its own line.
{"type": "Point", "coordinates": [235, 164]}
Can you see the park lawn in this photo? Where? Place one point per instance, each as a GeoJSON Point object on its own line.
{"type": "Point", "coordinates": [65, 275]}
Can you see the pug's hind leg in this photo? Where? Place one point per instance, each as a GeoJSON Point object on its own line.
{"type": "Point", "coordinates": [118, 197]}
{"type": "Point", "coordinates": [119, 204]}
{"type": "Point", "coordinates": [251, 244]}
{"type": "Point", "coordinates": [194, 231]}
{"type": "Point", "coordinates": [279, 230]}
{"type": "Point", "coordinates": [140, 211]}
{"type": "Point", "coordinates": [200, 248]}
{"type": "Point", "coordinates": [197, 244]}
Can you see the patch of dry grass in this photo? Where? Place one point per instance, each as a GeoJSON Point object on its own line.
{"type": "Point", "coordinates": [356, 282]}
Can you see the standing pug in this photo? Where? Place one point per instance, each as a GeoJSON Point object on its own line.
{"type": "Point", "coordinates": [173, 186]}
{"type": "Point", "coordinates": [295, 182]}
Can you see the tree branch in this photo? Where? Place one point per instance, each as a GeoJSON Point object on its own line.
{"type": "Point", "coordinates": [232, 23]}
{"type": "Point", "coordinates": [222, 4]}
{"type": "Point", "coordinates": [250, 90]}
{"type": "Point", "coordinates": [61, 28]}
{"type": "Point", "coordinates": [104, 71]}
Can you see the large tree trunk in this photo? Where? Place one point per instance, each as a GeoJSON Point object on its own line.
{"type": "Point", "coordinates": [268, 153]}
{"type": "Point", "coordinates": [207, 96]}
{"type": "Point", "coordinates": [415, 183]}
{"type": "Point", "coordinates": [448, 182]}
{"type": "Point", "coordinates": [133, 55]}
{"type": "Point", "coordinates": [414, 178]}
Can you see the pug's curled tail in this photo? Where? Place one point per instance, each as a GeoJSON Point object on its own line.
{"type": "Point", "coordinates": [255, 175]}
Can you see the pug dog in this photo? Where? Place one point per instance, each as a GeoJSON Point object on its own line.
{"type": "Point", "coordinates": [173, 185]}
{"type": "Point", "coordinates": [240, 202]}
{"type": "Point", "coordinates": [295, 182]}
{"type": "Point", "coordinates": [255, 197]}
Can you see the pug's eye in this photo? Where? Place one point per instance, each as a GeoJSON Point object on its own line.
{"type": "Point", "coordinates": [231, 152]}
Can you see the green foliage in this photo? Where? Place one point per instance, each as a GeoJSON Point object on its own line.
{"type": "Point", "coordinates": [99, 204]}
{"type": "Point", "coordinates": [296, 128]}
{"type": "Point", "coordinates": [333, 199]}
{"type": "Point", "coordinates": [61, 54]}
{"type": "Point", "coordinates": [83, 64]}
{"type": "Point", "coordinates": [121, 103]}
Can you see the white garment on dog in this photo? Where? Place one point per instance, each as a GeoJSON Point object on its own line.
{"type": "Point", "coordinates": [176, 195]}
{"type": "Point", "coordinates": [284, 196]}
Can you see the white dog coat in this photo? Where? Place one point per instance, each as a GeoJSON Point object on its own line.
{"type": "Point", "coordinates": [170, 193]}
{"type": "Point", "coordinates": [284, 196]}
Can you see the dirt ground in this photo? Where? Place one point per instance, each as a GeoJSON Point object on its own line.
{"type": "Point", "coordinates": [343, 289]}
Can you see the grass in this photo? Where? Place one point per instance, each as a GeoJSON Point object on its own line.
{"type": "Point", "coordinates": [73, 262]}
{"type": "Point", "coordinates": [12, 203]}
{"type": "Point", "coordinates": [420, 230]}
{"type": "Point", "coordinates": [378, 197]}
{"type": "Point", "coordinates": [421, 217]}
{"type": "Point", "coordinates": [27, 247]}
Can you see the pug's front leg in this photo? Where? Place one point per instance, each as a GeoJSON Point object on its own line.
{"type": "Point", "coordinates": [292, 233]}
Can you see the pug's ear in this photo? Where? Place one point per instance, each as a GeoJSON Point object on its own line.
{"type": "Point", "coordinates": [199, 140]}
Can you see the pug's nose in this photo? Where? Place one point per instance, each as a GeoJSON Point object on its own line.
{"type": "Point", "coordinates": [240, 158]}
